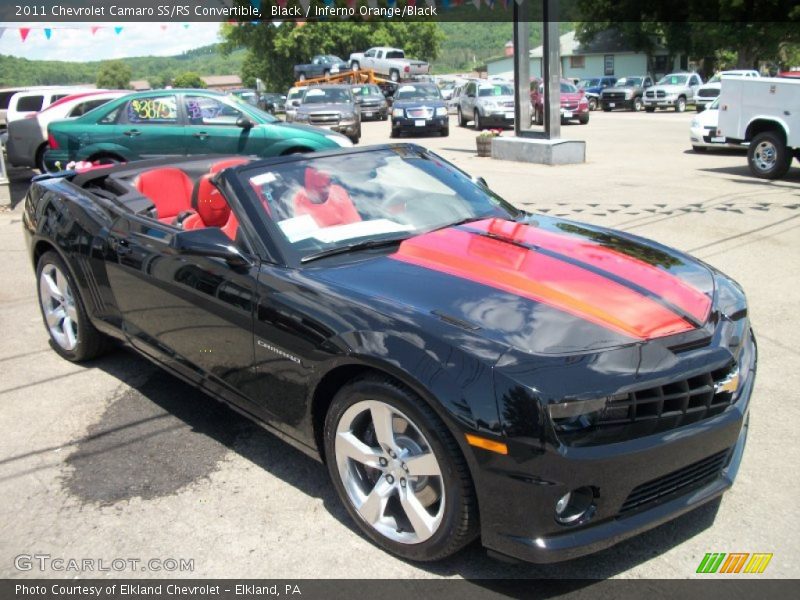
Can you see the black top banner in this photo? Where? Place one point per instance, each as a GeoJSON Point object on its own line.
{"type": "Point", "coordinates": [255, 11]}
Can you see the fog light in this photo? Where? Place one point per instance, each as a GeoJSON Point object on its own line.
{"type": "Point", "coordinates": [575, 505]}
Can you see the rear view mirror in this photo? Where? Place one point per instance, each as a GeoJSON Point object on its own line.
{"type": "Point", "coordinates": [210, 242]}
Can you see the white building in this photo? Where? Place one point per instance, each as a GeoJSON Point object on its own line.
{"type": "Point", "coordinates": [605, 55]}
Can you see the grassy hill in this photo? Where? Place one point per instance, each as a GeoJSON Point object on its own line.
{"type": "Point", "coordinates": [206, 60]}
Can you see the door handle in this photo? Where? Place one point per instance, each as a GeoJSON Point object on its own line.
{"type": "Point", "coordinates": [201, 135]}
{"type": "Point", "coordinates": [119, 245]}
{"type": "Point", "coordinates": [132, 132]}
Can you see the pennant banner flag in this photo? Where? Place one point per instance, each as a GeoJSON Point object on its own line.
{"type": "Point", "coordinates": [118, 30]}
{"type": "Point", "coordinates": [48, 32]}
{"type": "Point", "coordinates": [23, 32]}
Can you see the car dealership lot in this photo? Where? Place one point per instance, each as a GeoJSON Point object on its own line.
{"type": "Point", "coordinates": [116, 459]}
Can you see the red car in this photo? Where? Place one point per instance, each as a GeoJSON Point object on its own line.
{"type": "Point", "coordinates": [573, 102]}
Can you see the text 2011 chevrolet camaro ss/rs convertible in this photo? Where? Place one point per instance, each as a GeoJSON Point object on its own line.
{"type": "Point", "coordinates": [463, 368]}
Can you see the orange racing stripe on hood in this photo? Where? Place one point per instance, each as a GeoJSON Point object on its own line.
{"type": "Point", "coordinates": [527, 273]}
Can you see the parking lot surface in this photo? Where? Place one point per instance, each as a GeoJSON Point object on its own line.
{"type": "Point", "coordinates": [116, 459]}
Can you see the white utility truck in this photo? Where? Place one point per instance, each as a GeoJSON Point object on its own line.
{"type": "Point", "coordinates": [766, 113]}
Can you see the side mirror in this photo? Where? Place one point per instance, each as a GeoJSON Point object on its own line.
{"type": "Point", "coordinates": [210, 242]}
{"type": "Point", "coordinates": [244, 123]}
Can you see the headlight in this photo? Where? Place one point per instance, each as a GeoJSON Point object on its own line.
{"type": "Point", "coordinates": [398, 112]}
{"type": "Point", "coordinates": [441, 111]}
{"type": "Point", "coordinates": [340, 140]}
{"type": "Point", "coordinates": [298, 116]}
{"type": "Point", "coordinates": [628, 94]}
{"type": "Point", "coordinates": [348, 116]}
{"type": "Point", "coordinates": [695, 124]}
{"type": "Point", "coordinates": [489, 105]}
{"type": "Point", "coordinates": [579, 414]}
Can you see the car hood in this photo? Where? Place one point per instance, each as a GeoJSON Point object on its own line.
{"type": "Point", "coordinates": [373, 98]}
{"type": "Point", "coordinates": [316, 108]}
{"type": "Point", "coordinates": [669, 88]}
{"type": "Point", "coordinates": [545, 286]}
{"type": "Point", "coordinates": [496, 99]}
{"type": "Point", "coordinates": [418, 103]}
{"type": "Point", "coordinates": [622, 89]}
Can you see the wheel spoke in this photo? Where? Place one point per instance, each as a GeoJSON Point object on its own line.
{"type": "Point", "coordinates": [351, 447]}
{"type": "Point", "coordinates": [374, 505]}
{"type": "Point", "coordinates": [423, 523]}
{"type": "Point", "coordinates": [62, 284]}
{"type": "Point", "coordinates": [69, 331]}
{"type": "Point", "coordinates": [382, 421]}
{"type": "Point", "coordinates": [423, 464]}
{"type": "Point", "coordinates": [54, 316]}
{"type": "Point", "coordinates": [50, 286]}
{"type": "Point", "coordinates": [72, 312]}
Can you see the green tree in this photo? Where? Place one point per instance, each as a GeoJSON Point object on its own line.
{"type": "Point", "coordinates": [188, 79]}
{"type": "Point", "coordinates": [273, 50]}
{"type": "Point", "coordinates": [114, 75]}
{"type": "Point", "coordinates": [755, 30]}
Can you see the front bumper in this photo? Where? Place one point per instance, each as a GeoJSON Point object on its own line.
{"type": "Point", "coordinates": [518, 492]}
{"type": "Point", "coordinates": [705, 138]}
{"type": "Point", "coordinates": [420, 125]}
{"type": "Point", "coordinates": [503, 118]}
{"type": "Point", "coordinates": [664, 102]}
{"type": "Point", "coordinates": [347, 128]}
{"type": "Point", "coordinates": [615, 103]}
{"type": "Point", "coordinates": [377, 112]}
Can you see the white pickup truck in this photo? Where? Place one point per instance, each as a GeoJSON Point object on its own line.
{"type": "Point", "coordinates": [766, 113]}
{"type": "Point", "coordinates": [388, 62]}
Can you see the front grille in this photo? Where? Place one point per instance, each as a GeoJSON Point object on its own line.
{"type": "Point", "coordinates": [370, 105]}
{"type": "Point", "coordinates": [507, 104]}
{"type": "Point", "coordinates": [419, 113]}
{"type": "Point", "coordinates": [614, 96]}
{"type": "Point", "coordinates": [570, 106]}
{"type": "Point", "coordinates": [651, 410]}
{"type": "Point", "coordinates": [679, 481]}
{"type": "Point", "coordinates": [680, 403]}
{"type": "Point", "coordinates": [324, 118]}
{"type": "Point", "coordinates": [710, 93]}
{"type": "Point", "coordinates": [656, 94]}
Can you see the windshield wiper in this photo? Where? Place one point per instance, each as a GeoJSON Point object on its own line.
{"type": "Point", "coordinates": [362, 245]}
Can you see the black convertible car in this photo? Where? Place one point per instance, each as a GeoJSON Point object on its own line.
{"type": "Point", "coordinates": [463, 368]}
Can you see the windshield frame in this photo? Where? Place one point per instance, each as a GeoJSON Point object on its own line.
{"type": "Point", "coordinates": [278, 249]}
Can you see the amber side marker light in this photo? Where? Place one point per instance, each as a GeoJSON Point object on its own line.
{"type": "Point", "coordinates": [491, 446]}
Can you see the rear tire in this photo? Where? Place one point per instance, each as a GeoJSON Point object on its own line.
{"type": "Point", "coordinates": [72, 334]}
{"type": "Point", "coordinates": [394, 75]}
{"type": "Point", "coordinates": [768, 157]}
{"type": "Point", "coordinates": [301, 77]}
{"type": "Point", "coordinates": [367, 414]}
{"type": "Point", "coordinates": [445, 132]}
{"type": "Point", "coordinates": [355, 66]}
{"type": "Point", "coordinates": [40, 158]}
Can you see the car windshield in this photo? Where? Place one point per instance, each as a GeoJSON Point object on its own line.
{"type": "Point", "coordinates": [395, 54]}
{"type": "Point", "coordinates": [673, 80]}
{"type": "Point", "coordinates": [497, 89]}
{"type": "Point", "coordinates": [328, 203]}
{"type": "Point", "coordinates": [629, 82]}
{"type": "Point", "coordinates": [585, 83]}
{"type": "Point", "coordinates": [418, 92]}
{"type": "Point", "coordinates": [568, 88]}
{"type": "Point", "coordinates": [328, 95]}
{"type": "Point", "coordinates": [714, 105]}
{"type": "Point", "coordinates": [367, 90]}
{"type": "Point", "coordinates": [295, 94]}
{"type": "Point", "coordinates": [330, 58]}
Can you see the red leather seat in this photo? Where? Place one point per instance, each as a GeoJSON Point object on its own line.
{"type": "Point", "coordinates": [328, 203]}
{"type": "Point", "coordinates": [211, 206]}
{"type": "Point", "coordinates": [170, 190]}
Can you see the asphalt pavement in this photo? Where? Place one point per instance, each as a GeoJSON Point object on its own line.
{"type": "Point", "coordinates": [116, 459]}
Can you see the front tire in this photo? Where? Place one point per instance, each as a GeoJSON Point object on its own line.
{"type": "Point", "coordinates": [768, 156]}
{"type": "Point", "coordinates": [592, 103]}
{"type": "Point", "coordinates": [394, 75]}
{"type": "Point", "coordinates": [398, 471]}
{"type": "Point", "coordinates": [301, 77]}
{"type": "Point", "coordinates": [462, 122]}
{"type": "Point", "coordinates": [680, 106]}
{"type": "Point", "coordinates": [445, 131]}
{"type": "Point", "coordinates": [476, 118]}
{"type": "Point", "coordinates": [637, 104]}
{"type": "Point", "coordinates": [71, 332]}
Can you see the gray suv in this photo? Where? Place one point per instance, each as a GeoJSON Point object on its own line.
{"type": "Point", "coordinates": [332, 107]}
{"type": "Point", "coordinates": [486, 103]}
{"type": "Point", "coordinates": [676, 90]}
{"type": "Point", "coordinates": [627, 92]}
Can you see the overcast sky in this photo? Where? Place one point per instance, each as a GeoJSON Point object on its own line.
{"type": "Point", "coordinates": [78, 44]}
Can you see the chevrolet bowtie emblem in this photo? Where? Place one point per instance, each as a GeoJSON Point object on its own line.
{"type": "Point", "coordinates": [729, 384]}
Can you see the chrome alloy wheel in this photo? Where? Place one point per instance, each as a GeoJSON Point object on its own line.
{"type": "Point", "coordinates": [58, 305]}
{"type": "Point", "coordinates": [765, 156]}
{"type": "Point", "coordinates": [389, 472]}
